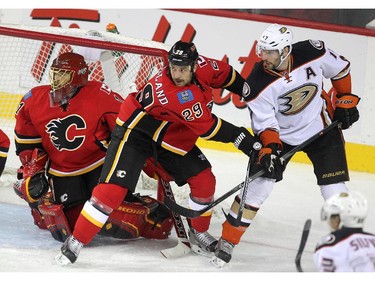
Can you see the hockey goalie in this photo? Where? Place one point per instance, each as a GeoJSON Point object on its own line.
{"type": "Point", "coordinates": [62, 133]}
{"type": "Point", "coordinates": [137, 216]}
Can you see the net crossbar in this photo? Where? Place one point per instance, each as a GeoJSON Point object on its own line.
{"type": "Point", "coordinates": [26, 54]}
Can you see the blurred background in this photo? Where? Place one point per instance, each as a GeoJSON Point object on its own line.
{"type": "Point", "coordinates": [349, 17]}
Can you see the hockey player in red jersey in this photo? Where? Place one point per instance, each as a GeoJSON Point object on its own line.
{"type": "Point", "coordinates": [348, 248]}
{"type": "Point", "coordinates": [288, 105]}
{"type": "Point", "coordinates": [163, 120]}
{"type": "Point", "coordinates": [63, 130]}
{"type": "Point", "coordinates": [4, 148]}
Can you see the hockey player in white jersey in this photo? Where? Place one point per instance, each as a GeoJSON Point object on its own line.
{"type": "Point", "coordinates": [288, 105]}
{"type": "Point", "coordinates": [347, 248]}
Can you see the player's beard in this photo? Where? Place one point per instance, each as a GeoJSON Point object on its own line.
{"type": "Point", "coordinates": [268, 65]}
{"type": "Point", "coordinates": [179, 83]}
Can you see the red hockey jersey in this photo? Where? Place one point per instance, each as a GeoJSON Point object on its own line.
{"type": "Point", "coordinates": [188, 108]}
{"type": "Point", "coordinates": [4, 144]}
{"type": "Point", "coordinates": [4, 148]}
{"type": "Point", "coordinates": [75, 139]}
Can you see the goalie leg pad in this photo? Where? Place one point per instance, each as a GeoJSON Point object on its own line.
{"type": "Point", "coordinates": [126, 222]}
{"type": "Point", "coordinates": [159, 222]}
{"type": "Point", "coordinates": [55, 220]}
{"type": "Point", "coordinates": [148, 218]}
{"type": "Point", "coordinates": [39, 219]}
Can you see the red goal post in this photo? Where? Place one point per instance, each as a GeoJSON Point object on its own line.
{"type": "Point", "coordinates": [26, 53]}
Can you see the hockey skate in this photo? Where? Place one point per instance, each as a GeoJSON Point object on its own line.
{"type": "Point", "coordinates": [202, 243]}
{"type": "Point", "coordinates": [69, 251]}
{"type": "Point", "coordinates": [223, 253]}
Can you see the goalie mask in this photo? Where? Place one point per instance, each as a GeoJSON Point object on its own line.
{"type": "Point", "coordinates": [351, 207]}
{"type": "Point", "coordinates": [32, 188]}
{"type": "Point", "coordinates": [68, 72]}
{"type": "Point", "coordinates": [275, 37]}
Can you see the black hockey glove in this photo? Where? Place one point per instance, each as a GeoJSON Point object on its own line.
{"type": "Point", "coordinates": [272, 164]}
{"type": "Point", "coordinates": [245, 142]}
{"type": "Point", "coordinates": [346, 110]}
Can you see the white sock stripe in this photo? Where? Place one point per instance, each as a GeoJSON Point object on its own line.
{"type": "Point", "coordinates": [195, 206]}
{"type": "Point", "coordinates": [244, 220]}
{"type": "Point", "coordinates": [94, 213]}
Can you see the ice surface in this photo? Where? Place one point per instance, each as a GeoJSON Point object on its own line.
{"type": "Point", "coordinates": [269, 245]}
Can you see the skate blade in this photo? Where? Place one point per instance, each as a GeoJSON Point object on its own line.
{"type": "Point", "coordinates": [196, 249]}
{"type": "Point", "coordinates": [62, 260]}
{"type": "Point", "coordinates": [219, 263]}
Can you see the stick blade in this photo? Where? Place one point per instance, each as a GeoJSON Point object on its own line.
{"type": "Point", "coordinates": [305, 235]}
{"type": "Point", "coordinates": [307, 225]}
{"type": "Point", "coordinates": [174, 207]}
{"type": "Point", "coordinates": [178, 251]}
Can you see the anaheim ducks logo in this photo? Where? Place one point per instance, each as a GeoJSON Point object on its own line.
{"type": "Point", "coordinates": [295, 101]}
{"type": "Point", "coordinates": [63, 132]}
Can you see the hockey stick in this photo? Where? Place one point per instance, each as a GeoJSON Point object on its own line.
{"type": "Point", "coordinates": [243, 197]}
{"type": "Point", "coordinates": [174, 207]}
{"type": "Point", "coordinates": [305, 235]}
{"type": "Point", "coordinates": [183, 246]}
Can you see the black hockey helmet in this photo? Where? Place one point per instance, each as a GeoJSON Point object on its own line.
{"type": "Point", "coordinates": [183, 54]}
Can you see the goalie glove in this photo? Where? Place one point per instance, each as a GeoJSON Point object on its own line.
{"type": "Point", "coordinates": [31, 189]}
{"type": "Point", "coordinates": [346, 110]}
{"type": "Point", "coordinates": [32, 183]}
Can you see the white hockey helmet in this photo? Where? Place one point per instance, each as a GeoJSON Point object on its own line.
{"type": "Point", "coordinates": [275, 37]}
{"type": "Point", "coordinates": [352, 208]}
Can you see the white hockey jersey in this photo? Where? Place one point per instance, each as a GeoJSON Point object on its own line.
{"type": "Point", "coordinates": [293, 104]}
{"type": "Point", "coordinates": [346, 250]}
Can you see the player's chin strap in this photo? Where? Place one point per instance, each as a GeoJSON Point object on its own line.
{"type": "Point", "coordinates": [174, 207]}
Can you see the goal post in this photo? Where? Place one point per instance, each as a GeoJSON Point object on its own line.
{"type": "Point", "coordinates": [27, 52]}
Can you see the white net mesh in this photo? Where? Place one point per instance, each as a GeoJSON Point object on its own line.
{"type": "Point", "coordinates": [26, 53]}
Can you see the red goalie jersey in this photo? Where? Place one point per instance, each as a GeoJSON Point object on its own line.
{"type": "Point", "coordinates": [186, 109]}
{"type": "Point", "coordinates": [75, 138]}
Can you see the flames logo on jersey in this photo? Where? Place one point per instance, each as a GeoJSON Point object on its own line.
{"type": "Point", "coordinates": [297, 99]}
{"type": "Point", "coordinates": [59, 129]}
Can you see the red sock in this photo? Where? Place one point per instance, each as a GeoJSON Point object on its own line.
{"type": "Point", "coordinates": [201, 223]}
{"type": "Point", "coordinates": [85, 231]}
{"type": "Point", "coordinates": [92, 219]}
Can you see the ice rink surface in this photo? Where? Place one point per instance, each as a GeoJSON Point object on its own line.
{"type": "Point", "coordinates": [268, 246]}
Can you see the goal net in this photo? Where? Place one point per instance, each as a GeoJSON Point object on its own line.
{"type": "Point", "coordinates": [26, 53]}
